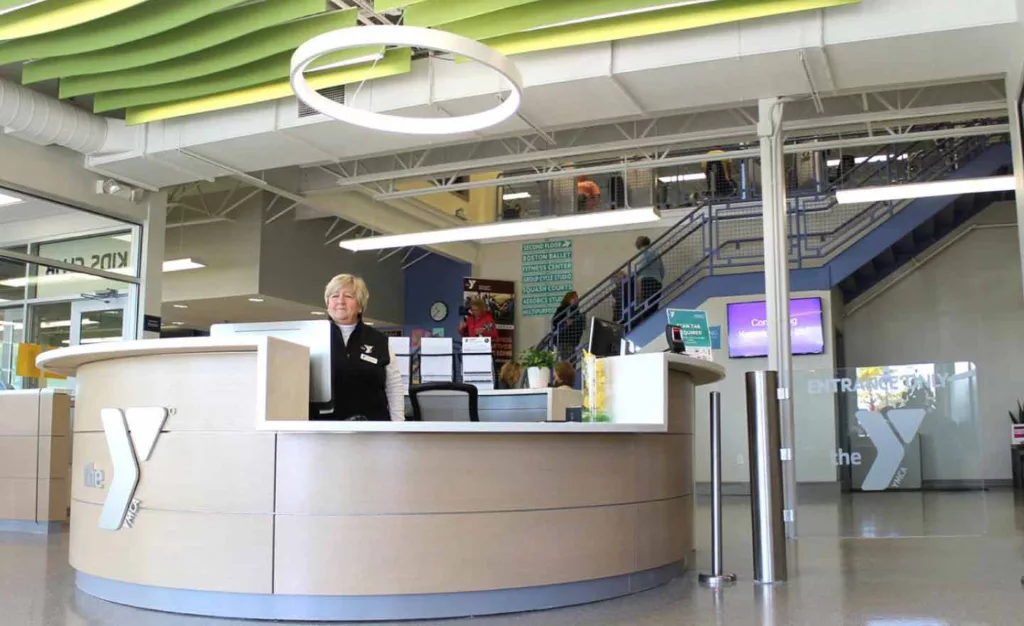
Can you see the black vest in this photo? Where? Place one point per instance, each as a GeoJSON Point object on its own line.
{"type": "Point", "coordinates": [358, 378]}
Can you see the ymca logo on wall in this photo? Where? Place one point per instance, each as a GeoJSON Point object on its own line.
{"type": "Point", "coordinates": [131, 435]}
{"type": "Point", "coordinates": [890, 436]}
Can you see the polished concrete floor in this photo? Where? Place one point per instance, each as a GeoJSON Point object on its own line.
{"type": "Point", "coordinates": [963, 567]}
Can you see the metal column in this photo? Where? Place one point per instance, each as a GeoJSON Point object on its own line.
{"type": "Point", "coordinates": [716, 578]}
{"type": "Point", "coordinates": [776, 280]}
{"type": "Point", "coordinates": [765, 478]}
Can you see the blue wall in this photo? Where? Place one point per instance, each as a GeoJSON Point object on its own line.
{"type": "Point", "coordinates": [432, 279]}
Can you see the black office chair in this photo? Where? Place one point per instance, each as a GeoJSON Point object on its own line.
{"type": "Point", "coordinates": [469, 390]}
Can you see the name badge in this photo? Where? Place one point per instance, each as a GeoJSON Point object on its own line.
{"type": "Point", "coordinates": [368, 358]}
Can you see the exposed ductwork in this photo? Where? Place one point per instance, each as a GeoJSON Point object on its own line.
{"type": "Point", "coordinates": [44, 120]}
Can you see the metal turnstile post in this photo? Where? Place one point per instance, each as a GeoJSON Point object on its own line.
{"type": "Point", "coordinates": [765, 440]}
{"type": "Point", "coordinates": [716, 578]}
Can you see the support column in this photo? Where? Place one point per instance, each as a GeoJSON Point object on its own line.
{"type": "Point", "coordinates": [776, 282]}
{"type": "Point", "coordinates": [151, 270]}
{"type": "Point", "coordinates": [1013, 92]}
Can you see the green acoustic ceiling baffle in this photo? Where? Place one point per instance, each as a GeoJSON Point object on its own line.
{"type": "Point", "coordinates": [53, 15]}
{"type": "Point", "coordinates": [263, 71]}
{"type": "Point", "coordinates": [144, 20]}
{"type": "Point", "coordinates": [386, 5]}
{"type": "Point", "coordinates": [394, 62]}
{"type": "Point", "coordinates": [436, 12]}
{"type": "Point", "coordinates": [178, 42]}
{"type": "Point", "coordinates": [233, 54]}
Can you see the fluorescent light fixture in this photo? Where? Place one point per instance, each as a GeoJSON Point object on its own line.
{"type": "Point", "coordinates": [366, 58]}
{"type": "Point", "coordinates": [878, 158]}
{"type": "Point", "coordinates": [177, 323]}
{"type": "Point", "coordinates": [6, 200]}
{"type": "Point", "coordinates": [178, 265]}
{"type": "Point", "coordinates": [67, 323]}
{"type": "Point", "coordinates": [317, 313]}
{"type": "Point", "coordinates": [926, 190]}
{"type": "Point", "coordinates": [180, 306]}
{"type": "Point", "coordinates": [512, 228]}
{"type": "Point", "coordinates": [255, 299]}
{"type": "Point", "coordinates": [683, 178]}
{"type": "Point", "coordinates": [127, 238]}
{"type": "Point", "coordinates": [608, 16]}
{"type": "Point", "coordinates": [519, 195]}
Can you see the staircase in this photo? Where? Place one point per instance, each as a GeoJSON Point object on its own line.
{"type": "Point", "coordinates": [719, 243]}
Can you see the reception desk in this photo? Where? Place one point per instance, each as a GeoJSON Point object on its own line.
{"type": "Point", "coordinates": [237, 506]}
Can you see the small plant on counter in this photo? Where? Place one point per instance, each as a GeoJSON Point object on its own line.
{"type": "Point", "coordinates": [532, 357]}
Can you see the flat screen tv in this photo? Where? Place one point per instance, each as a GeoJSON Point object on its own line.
{"type": "Point", "coordinates": [748, 336]}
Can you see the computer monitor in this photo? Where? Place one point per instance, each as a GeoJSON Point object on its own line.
{"type": "Point", "coordinates": [314, 334]}
{"type": "Point", "coordinates": [605, 338]}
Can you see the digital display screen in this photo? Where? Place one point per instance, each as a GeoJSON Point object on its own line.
{"type": "Point", "coordinates": [748, 334]}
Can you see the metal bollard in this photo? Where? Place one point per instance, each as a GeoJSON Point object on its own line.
{"type": "Point", "coordinates": [763, 433]}
{"type": "Point", "coordinates": [716, 578]}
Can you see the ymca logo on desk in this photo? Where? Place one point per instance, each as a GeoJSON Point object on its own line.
{"type": "Point", "coordinates": [131, 435]}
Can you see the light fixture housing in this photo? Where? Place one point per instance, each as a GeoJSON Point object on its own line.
{"type": "Point", "coordinates": [512, 228]}
{"type": "Point", "coordinates": [683, 178]}
{"type": "Point", "coordinates": [180, 265]}
{"type": "Point", "coordinates": [926, 190]}
{"type": "Point", "coordinates": [415, 37]}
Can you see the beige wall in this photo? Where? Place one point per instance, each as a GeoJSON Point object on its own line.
{"type": "Point", "coordinates": [595, 256]}
{"type": "Point", "coordinates": [35, 455]}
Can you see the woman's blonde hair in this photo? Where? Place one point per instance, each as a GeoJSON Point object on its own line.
{"type": "Point", "coordinates": [348, 281]}
{"type": "Point", "coordinates": [510, 374]}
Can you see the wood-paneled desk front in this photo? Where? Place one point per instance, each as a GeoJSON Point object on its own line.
{"type": "Point", "coordinates": [243, 508]}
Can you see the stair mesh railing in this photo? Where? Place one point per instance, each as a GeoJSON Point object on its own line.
{"type": "Point", "coordinates": [722, 237]}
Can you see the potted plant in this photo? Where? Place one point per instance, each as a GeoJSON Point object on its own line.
{"type": "Point", "coordinates": [1017, 425]}
{"type": "Point", "coordinates": [538, 364]}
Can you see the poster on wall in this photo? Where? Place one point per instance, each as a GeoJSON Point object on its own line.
{"type": "Point", "coordinates": [696, 335]}
{"type": "Point", "coordinates": [546, 275]}
{"type": "Point", "coordinates": [500, 297]}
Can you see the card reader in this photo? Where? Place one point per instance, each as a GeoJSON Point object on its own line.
{"type": "Point", "coordinates": [674, 336]}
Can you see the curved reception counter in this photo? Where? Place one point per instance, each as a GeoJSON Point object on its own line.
{"type": "Point", "coordinates": [198, 486]}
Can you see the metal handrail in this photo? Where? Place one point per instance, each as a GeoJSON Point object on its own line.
{"type": "Point", "coordinates": [926, 161]}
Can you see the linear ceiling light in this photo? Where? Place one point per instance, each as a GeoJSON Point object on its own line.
{"type": "Point", "coordinates": [682, 178]}
{"type": "Point", "coordinates": [405, 36]}
{"type": "Point", "coordinates": [926, 190]}
{"type": "Point", "coordinates": [512, 228]}
{"type": "Point", "coordinates": [624, 13]}
{"type": "Point", "coordinates": [179, 265]}
{"type": "Point", "coordinates": [366, 58]}
{"type": "Point", "coordinates": [878, 158]}
{"type": "Point", "coordinates": [520, 195]}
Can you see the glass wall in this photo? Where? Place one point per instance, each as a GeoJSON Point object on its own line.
{"type": "Point", "coordinates": [67, 277]}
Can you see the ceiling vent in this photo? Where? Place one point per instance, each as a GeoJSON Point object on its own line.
{"type": "Point", "coordinates": [337, 94]}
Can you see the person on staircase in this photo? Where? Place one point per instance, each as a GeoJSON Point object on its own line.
{"type": "Point", "coordinates": [650, 276]}
{"type": "Point", "coordinates": [567, 325]}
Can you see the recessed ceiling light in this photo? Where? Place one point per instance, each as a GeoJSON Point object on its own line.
{"type": "Point", "coordinates": [180, 306]}
{"type": "Point", "coordinates": [512, 228]}
{"type": "Point", "coordinates": [255, 299]}
{"type": "Point", "coordinates": [178, 265]}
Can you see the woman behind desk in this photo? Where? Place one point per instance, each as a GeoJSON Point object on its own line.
{"type": "Point", "coordinates": [365, 380]}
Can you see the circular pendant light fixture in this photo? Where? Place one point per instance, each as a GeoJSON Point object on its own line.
{"type": "Point", "coordinates": [416, 37]}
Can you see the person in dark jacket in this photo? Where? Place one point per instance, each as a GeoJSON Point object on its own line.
{"type": "Point", "coordinates": [567, 324]}
{"type": "Point", "coordinates": [366, 383]}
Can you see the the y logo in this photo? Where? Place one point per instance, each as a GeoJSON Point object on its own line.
{"type": "Point", "coordinates": [131, 435]}
{"type": "Point", "coordinates": [890, 449]}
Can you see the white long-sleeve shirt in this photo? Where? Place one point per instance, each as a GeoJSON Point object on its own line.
{"type": "Point", "coordinates": [392, 382]}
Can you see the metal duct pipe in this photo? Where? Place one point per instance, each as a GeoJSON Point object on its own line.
{"type": "Point", "coordinates": [43, 120]}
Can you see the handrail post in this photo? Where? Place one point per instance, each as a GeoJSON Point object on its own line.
{"type": "Point", "coordinates": [716, 578]}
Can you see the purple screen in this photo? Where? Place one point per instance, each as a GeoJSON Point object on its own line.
{"type": "Point", "coordinates": [749, 337]}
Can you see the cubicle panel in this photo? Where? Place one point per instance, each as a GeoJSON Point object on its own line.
{"type": "Point", "coordinates": [207, 391]}
{"type": "Point", "coordinates": [19, 413]}
{"type": "Point", "coordinates": [18, 498]}
{"type": "Point", "coordinates": [184, 550]}
{"type": "Point", "coordinates": [18, 457]}
{"type": "Point", "coordinates": [409, 554]}
{"type": "Point", "coordinates": [51, 500]}
{"type": "Point", "coordinates": [211, 472]}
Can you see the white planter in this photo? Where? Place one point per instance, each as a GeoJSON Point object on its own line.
{"type": "Point", "coordinates": [538, 377]}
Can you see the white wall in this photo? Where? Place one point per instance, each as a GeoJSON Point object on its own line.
{"type": "Point", "coordinates": [964, 304]}
{"type": "Point", "coordinates": [595, 256]}
{"type": "Point", "coordinates": [230, 251]}
{"type": "Point", "coordinates": [815, 416]}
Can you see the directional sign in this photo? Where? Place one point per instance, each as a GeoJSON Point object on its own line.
{"type": "Point", "coordinates": [547, 275]}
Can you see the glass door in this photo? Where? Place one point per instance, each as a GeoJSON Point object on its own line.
{"type": "Point", "coordinates": [99, 320]}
